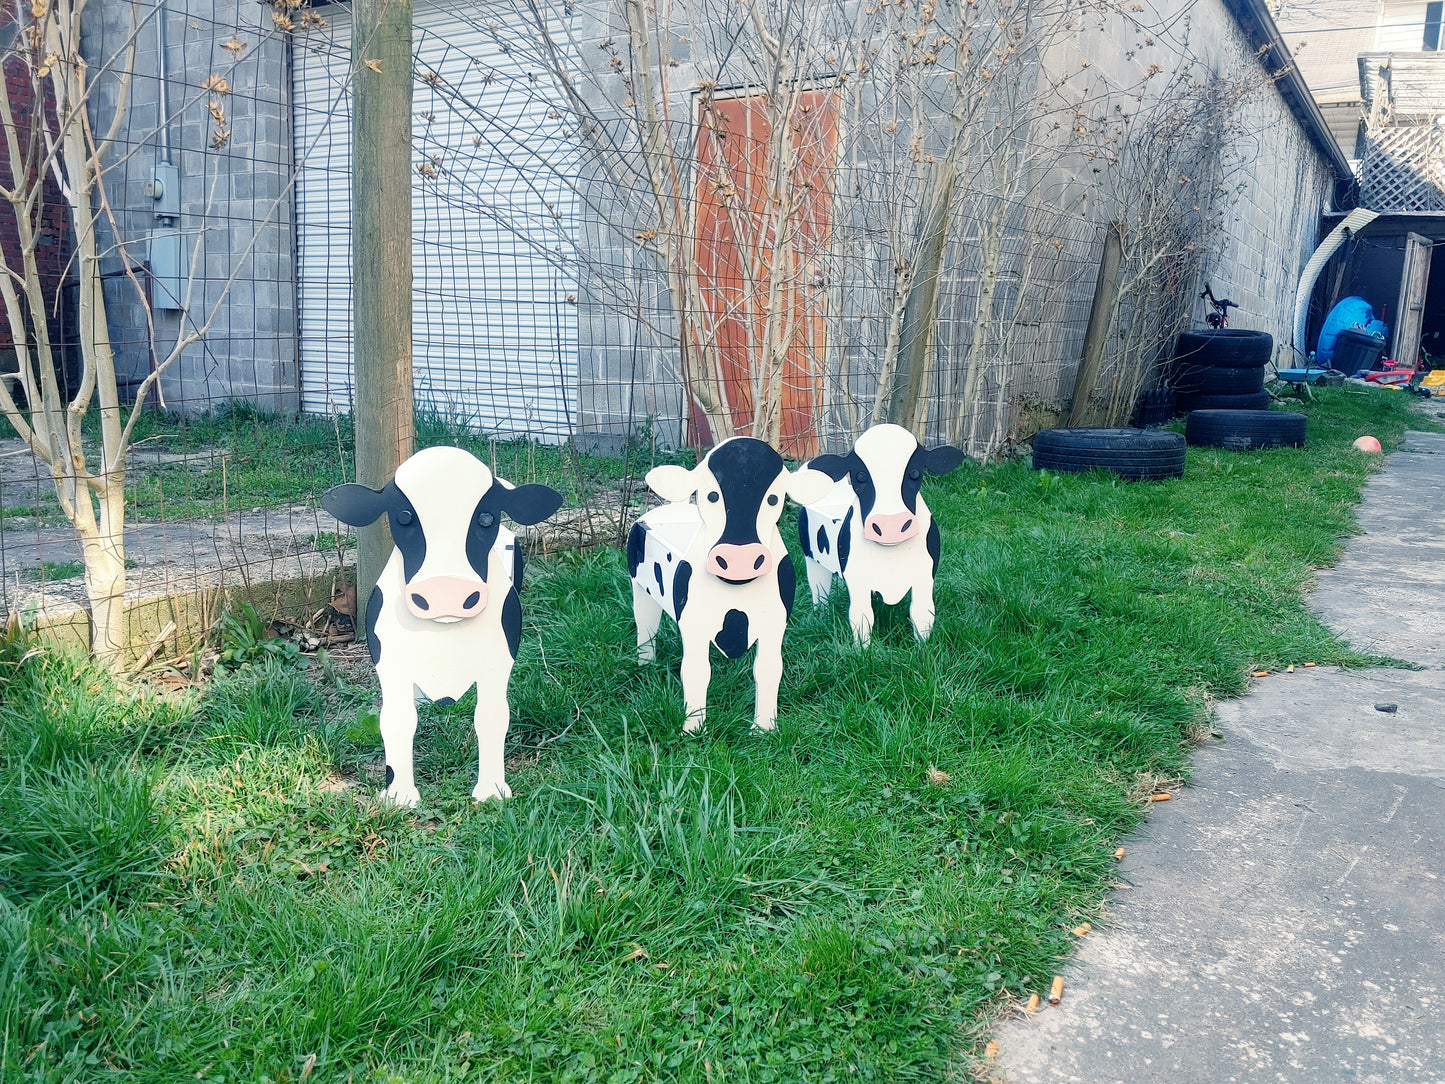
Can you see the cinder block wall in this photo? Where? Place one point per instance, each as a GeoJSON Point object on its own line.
{"type": "Point", "coordinates": [236, 212]}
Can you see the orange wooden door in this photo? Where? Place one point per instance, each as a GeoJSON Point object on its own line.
{"type": "Point", "coordinates": [762, 226]}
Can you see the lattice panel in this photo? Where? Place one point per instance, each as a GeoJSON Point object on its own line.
{"type": "Point", "coordinates": [1404, 170]}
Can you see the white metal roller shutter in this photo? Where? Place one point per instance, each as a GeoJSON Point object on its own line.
{"type": "Point", "coordinates": [493, 322]}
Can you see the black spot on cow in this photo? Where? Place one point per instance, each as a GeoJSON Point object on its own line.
{"type": "Point", "coordinates": [823, 546]}
{"type": "Point", "coordinates": [636, 545]}
{"type": "Point", "coordinates": [852, 468]}
{"type": "Point", "coordinates": [805, 532]}
{"type": "Point", "coordinates": [732, 638]}
{"type": "Point", "coordinates": [935, 544]}
{"type": "Point", "coordinates": [512, 621]}
{"type": "Point", "coordinates": [657, 575]}
{"type": "Point", "coordinates": [527, 505]}
{"type": "Point", "coordinates": [373, 611]}
{"type": "Point", "coordinates": [359, 505]}
{"type": "Point", "coordinates": [744, 469]}
{"type": "Point", "coordinates": [680, 580]}
{"type": "Point", "coordinates": [845, 541]}
{"type": "Point", "coordinates": [390, 775]}
{"type": "Point", "coordinates": [787, 583]}
{"type": "Point", "coordinates": [938, 460]}
{"type": "Point", "coordinates": [519, 565]}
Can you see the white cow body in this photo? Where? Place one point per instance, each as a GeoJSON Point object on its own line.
{"type": "Point", "coordinates": [874, 530]}
{"type": "Point", "coordinates": [445, 614]}
{"type": "Point", "coordinates": [719, 567]}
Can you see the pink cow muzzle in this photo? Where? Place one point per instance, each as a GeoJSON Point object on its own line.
{"type": "Point", "coordinates": [441, 597]}
{"type": "Point", "coordinates": [891, 529]}
{"type": "Point", "coordinates": [740, 563]}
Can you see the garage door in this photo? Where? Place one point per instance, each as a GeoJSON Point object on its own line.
{"type": "Point", "coordinates": [493, 314]}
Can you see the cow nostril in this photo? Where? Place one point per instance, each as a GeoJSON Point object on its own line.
{"type": "Point", "coordinates": [908, 525]}
{"type": "Point", "coordinates": [721, 563]}
{"type": "Point", "coordinates": [878, 530]}
{"type": "Point", "coordinates": [472, 600]}
{"type": "Point", "coordinates": [421, 603]}
{"type": "Point", "coordinates": [759, 562]}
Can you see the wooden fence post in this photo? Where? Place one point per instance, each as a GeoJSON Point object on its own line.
{"type": "Point", "coordinates": [381, 262]}
{"type": "Point", "coordinates": [1106, 290]}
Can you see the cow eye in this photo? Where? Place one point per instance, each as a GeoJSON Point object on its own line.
{"type": "Point", "coordinates": [404, 517]}
{"type": "Point", "coordinates": [772, 498]}
{"type": "Point", "coordinates": [714, 496]}
{"type": "Point", "coordinates": [486, 519]}
{"type": "Point", "coordinates": [915, 474]}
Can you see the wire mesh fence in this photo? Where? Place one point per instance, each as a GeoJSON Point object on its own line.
{"type": "Point", "coordinates": [549, 323]}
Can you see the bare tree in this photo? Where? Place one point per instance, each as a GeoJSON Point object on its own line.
{"type": "Point", "coordinates": [70, 142]}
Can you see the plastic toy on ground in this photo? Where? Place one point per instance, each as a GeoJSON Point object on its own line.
{"type": "Point", "coordinates": [445, 614]}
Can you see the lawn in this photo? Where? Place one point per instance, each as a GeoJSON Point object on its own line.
{"type": "Point", "coordinates": [204, 886]}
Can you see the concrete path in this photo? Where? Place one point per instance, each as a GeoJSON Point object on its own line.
{"type": "Point", "coordinates": [1283, 918]}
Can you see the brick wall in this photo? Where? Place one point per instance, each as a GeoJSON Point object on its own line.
{"type": "Point", "coordinates": [54, 224]}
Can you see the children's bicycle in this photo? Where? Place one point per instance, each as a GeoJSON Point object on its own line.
{"type": "Point", "coordinates": [1219, 318]}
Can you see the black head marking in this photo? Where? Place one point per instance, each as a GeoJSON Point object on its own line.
{"type": "Point", "coordinates": [732, 639]}
{"type": "Point", "coordinates": [744, 469]}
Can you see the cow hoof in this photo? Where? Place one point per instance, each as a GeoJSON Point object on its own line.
{"type": "Point", "coordinates": [485, 792]}
{"type": "Point", "coordinates": [406, 797]}
{"type": "Point", "coordinates": [766, 725]}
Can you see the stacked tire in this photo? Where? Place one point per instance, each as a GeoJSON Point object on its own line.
{"type": "Point", "coordinates": [1221, 369]}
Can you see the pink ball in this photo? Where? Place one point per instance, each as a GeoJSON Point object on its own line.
{"type": "Point", "coordinates": [1368, 444]}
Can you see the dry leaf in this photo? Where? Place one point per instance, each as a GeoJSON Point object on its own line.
{"type": "Point", "coordinates": [234, 46]}
{"type": "Point", "coordinates": [374, 65]}
{"type": "Point", "coordinates": [216, 84]}
{"type": "Point", "coordinates": [938, 778]}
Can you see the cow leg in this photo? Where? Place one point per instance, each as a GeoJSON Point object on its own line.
{"type": "Point", "coordinates": [860, 613]}
{"type": "Point", "coordinates": [492, 717]}
{"type": "Point", "coordinates": [398, 728]}
{"type": "Point", "coordinates": [820, 580]}
{"type": "Point", "coordinates": [648, 615]}
{"type": "Point", "coordinates": [696, 674]}
{"type": "Point", "coordinates": [920, 608]}
{"type": "Point", "coordinates": [767, 676]}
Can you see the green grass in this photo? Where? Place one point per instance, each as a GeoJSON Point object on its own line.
{"type": "Point", "coordinates": [238, 459]}
{"type": "Point", "coordinates": [188, 893]}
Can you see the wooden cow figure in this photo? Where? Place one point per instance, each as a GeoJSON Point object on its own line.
{"type": "Point", "coordinates": [445, 613]}
{"type": "Point", "coordinates": [874, 529]}
{"type": "Point", "coordinates": [718, 566]}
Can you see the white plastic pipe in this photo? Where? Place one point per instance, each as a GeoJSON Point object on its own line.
{"type": "Point", "coordinates": [1355, 221]}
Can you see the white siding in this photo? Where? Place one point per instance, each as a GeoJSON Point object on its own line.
{"type": "Point", "coordinates": [1402, 28]}
{"type": "Point", "coordinates": [494, 332]}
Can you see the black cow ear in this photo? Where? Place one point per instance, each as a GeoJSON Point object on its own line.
{"type": "Point", "coordinates": [942, 459]}
{"type": "Point", "coordinates": [834, 466]}
{"type": "Point", "coordinates": [355, 503]}
{"type": "Point", "coordinates": [528, 504]}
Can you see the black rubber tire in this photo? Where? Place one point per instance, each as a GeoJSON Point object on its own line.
{"type": "Point", "coordinates": [1155, 407]}
{"type": "Point", "coordinates": [1243, 430]}
{"type": "Point", "coordinates": [1231, 347]}
{"type": "Point", "coordinates": [1256, 401]}
{"type": "Point", "coordinates": [1129, 453]}
{"type": "Point", "coordinates": [1217, 380]}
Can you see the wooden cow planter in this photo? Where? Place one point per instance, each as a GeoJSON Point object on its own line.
{"type": "Point", "coordinates": [874, 529]}
{"type": "Point", "coordinates": [718, 566]}
{"type": "Point", "coordinates": [445, 613]}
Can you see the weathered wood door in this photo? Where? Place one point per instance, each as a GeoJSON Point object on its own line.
{"type": "Point", "coordinates": [1410, 310]}
{"type": "Point", "coordinates": [763, 222]}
